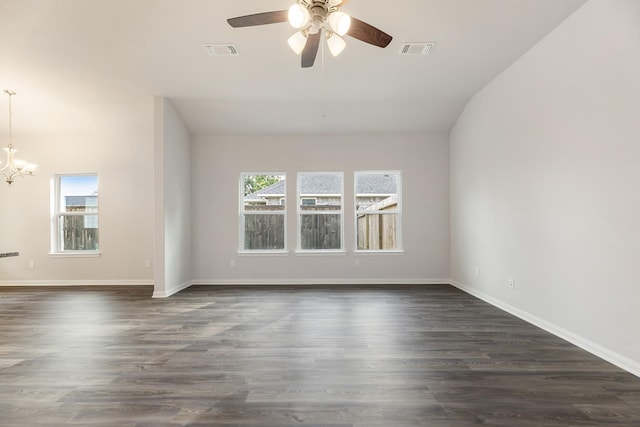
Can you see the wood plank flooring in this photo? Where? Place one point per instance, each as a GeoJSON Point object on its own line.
{"type": "Point", "coordinates": [392, 356]}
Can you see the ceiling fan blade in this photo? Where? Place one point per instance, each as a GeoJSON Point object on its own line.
{"type": "Point", "coordinates": [310, 50]}
{"type": "Point", "coordinates": [259, 19]}
{"type": "Point", "coordinates": [368, 33]}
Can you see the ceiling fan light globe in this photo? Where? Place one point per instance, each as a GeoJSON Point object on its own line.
{"type": "Point", "coordinates": [339, 22]}
{"type": "Point", "coordinates": [336, 44]}
{"type": "Point", "coordinates": [297, 42]}
{"type": "Point", "coordinates": [298, 16]}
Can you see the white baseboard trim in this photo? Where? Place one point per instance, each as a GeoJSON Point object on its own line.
{"type": "Point", "coordinates": [619, 360]}
{"type": "Point", "coordinates": [166, 293]}
{"type": "Point", "coordinates": [15, 283]}
{"type": "Point", "coordinates": [311, 282]}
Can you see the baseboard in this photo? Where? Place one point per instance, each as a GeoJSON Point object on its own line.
{"type": "Point", "coordinates": [26, 283]}
{"type": "Point", "coordinates": [310, 282]}
{"type": "Point", "coordinates": [166, 293]}
{"type": "Point", "coordinates": [612, 357]}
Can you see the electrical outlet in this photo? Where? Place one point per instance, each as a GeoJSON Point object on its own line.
{"type": "Point", "coordinates": [232, 264]}
{"type": "Point", "coordinates": [477, 271]}
{"type": "Point", "coordinates": [147, 263]}
{"type": "Point", "coordinates": [356, 262]}
{"type": "Point", "coordinates": [511, 283]}
{"type": "Point", "coordinates": [31, 264]}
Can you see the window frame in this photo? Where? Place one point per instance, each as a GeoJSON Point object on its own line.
{"type": "Point", "coordinates": [282, 202]}
{"type": "Point", "coordinates": [57, 215]}
{"type": "Point", "coordinates": [299, 212]}
{"type": "Point", "coordinates": [397, 211]}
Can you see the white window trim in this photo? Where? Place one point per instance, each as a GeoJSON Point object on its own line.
{"type": "Point", "coordinates": [321, 252]}
{"type": "Point", "coordinates": [263, 252]}
{"type": "Point", "coordinates": [367, 252]}
{"type": "Point", "coordinates": [55, 249]}
{"type": "Point", "coordinates": [299, 212]}
{"type": "Point", "coordinates": [400, 249]}
{"type": "Point", "coordinates": [75, 254]}
{"type": "Point", "coordinates": [241, 250]}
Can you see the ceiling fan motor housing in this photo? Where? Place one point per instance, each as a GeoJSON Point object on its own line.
{"type": "Point", "coordinates": [318, 16]}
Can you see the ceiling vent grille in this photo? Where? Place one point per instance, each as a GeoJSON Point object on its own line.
{"type": "Point", "coordinates": [417, 48]}
{"type": "Point", "coordinates": [221, 49]}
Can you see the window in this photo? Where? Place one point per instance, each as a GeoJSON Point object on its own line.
{"type": "Point", "coordinates": [320, 211]}
{"type": "Point", "coordinates": [377, 210]}
{"type": "Point", "coordinates": [75, 214]}
{"type": "Point", "coordinates": [262, 211]}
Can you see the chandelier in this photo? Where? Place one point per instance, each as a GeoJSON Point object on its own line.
{"type": "Point", "coordinates": [14, 167]}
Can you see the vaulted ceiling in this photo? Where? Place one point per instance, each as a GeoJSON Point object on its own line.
{"type": "Point", "coordinates": [65, 56]}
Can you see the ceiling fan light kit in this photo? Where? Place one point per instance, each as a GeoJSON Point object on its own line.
{"type": "Point", "coordinates": [312, 17]}
{"type": "Point", "coordinates": [336, 44]}
{"type": "Point", "coordinates": [298, 15]}
{"type": "Point", "coordinates": [297, 42]}
{"type": "Point", "coordinates": [339, 22]}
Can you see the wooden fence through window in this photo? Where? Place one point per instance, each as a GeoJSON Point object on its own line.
{"type": "Point", "coordinates": [75, 237]}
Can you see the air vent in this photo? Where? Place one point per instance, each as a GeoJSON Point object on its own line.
{"type": "Point", "coordinates": [221, 49]}
{"type": "Point", "coordinates": [416, 48]}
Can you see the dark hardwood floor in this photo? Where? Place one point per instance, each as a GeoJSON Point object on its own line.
{"type": "Point", "coordinates": [390, 356]}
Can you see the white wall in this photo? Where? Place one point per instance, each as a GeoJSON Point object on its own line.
{"type": "Point", "coordinates": [219, 160]}
{"type": "Point", "coordinates": [172, 253]}
{"type": "Point", "coordinates": [545, 168]}
{"type": "Point", "coordinates": [117, 144]}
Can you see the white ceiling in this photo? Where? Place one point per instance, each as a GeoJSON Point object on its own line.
{"type": "Point", "coordinates": [64, 57]}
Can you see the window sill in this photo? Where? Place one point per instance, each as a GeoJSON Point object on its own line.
{"type": "Point", "coordinates": [379, 252]}
{"type": "Point", "coordinates": [78, 254]}
{"type": "Point", "coordinates": [263, 253]}
{"type": "Point", "coordinates": [320, 253]}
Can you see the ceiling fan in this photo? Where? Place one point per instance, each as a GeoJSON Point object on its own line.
{"type": "Point", "coordinates": [311, 18]}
